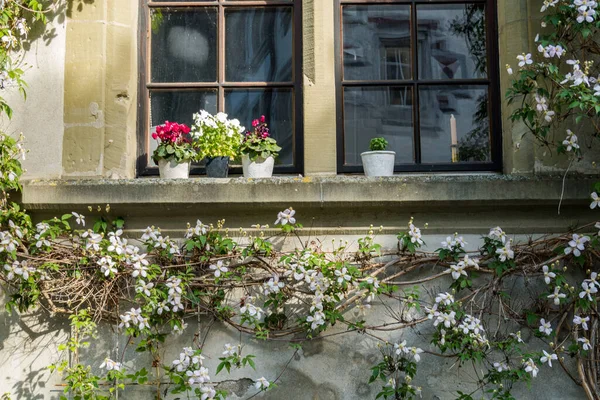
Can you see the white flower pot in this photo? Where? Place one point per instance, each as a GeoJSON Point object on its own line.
{"type": "Point", "coordinates": [170, 169]}
{"type": "Point", "coordinates": [378, 163]}
{"type": "Point", "coordinates": [260, 168]}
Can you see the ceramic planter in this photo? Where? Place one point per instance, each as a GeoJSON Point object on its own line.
{"type": "Point", "coordinates": [378, 163]}
{"type": "Point", "coordinates": [171, 169]}
{"type": "Point", "coordinates": [259, 168]}
{"type": "Point", "coordinates": [217, 167]}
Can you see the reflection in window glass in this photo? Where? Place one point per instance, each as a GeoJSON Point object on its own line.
{"type": "Point", "coordinates": [378, 112]}
{"type": "Point", "coordinates": [276, 105]}
{"type": "Point", "coordinates": [451, 41]}
{"type": "Point", "coordinates": [376, 42]}
{"type": "Point", "coordinates": [470, 131]}
{"type": "Point", "coordinates": [184, 45]}
{"type": "Point", "coordinates": [179, 106]}
{"type": "Point", "coordinates": [258, 45]}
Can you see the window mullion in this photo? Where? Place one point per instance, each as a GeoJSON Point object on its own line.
{"type": "Point", "coordinates": [415, 87]}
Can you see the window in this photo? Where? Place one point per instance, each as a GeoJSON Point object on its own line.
{"type": "Point", "coordinates": [422, 74]}
{"type": "Point", "coordinates": [241, 57]}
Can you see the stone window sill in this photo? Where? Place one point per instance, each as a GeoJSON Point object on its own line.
{"type": "Point", "coordinates": [409, 190]}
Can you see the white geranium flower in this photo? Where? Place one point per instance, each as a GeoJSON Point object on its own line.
{"type": "Point", "coordinates": [547, 358]}
{"type": "Point", "coordinates": [547, 4]}
{"type": "Point", "coordinates": [586, 343]}
{"type": "Point", "coordinates": [505, 253]}
{"type": "Point", "coordinates": [524, 59]}
{"type": "Point", "coordinates": [262, 383]}
{"type": "Point", "coordinates": [458, 270]}
{"type": "Point", "coordinates": [415, 351]}
{"type": "Point", "coordinates": [588, 290]}
{"type": "Point", "coordinates": [415, 235]}
{"type": "Point", "coordinates": [80, 219]}
{"type": "Point", "coordinates": [143, 287]}
{"type": "Point", "coordinates": [501, 367]}
{"type": "Point", "coordinates": [230, 350]}
{"type": "Point", "coordinates": [545, 327]}
{"type": "Point", "coordinates": [571, 141]}
{"type": "Point", "coordinates": [531, 367]}
{"type": "Point", "coordinates": [342, 275]}
{"type": "Point", "coordinates": [557, 295]}
{"type": "Point", "coordinates": [578, 320]}
{"type": "Point", "coordinates": [111, 365]}
{"type": "Point", "coordinates": [444, 298]}
{"type": "Point", "coordinates": [595, 200]}
{"type": "Point", "coordinates": [286, 217]}
{"type": "Point", "coordinates": [219, 268]}
{"type": "Point", "coordinates": [548, 275]}
{"type": "Point", "coordinates": [577, 245]}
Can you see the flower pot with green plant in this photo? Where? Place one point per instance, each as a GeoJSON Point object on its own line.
{"type": "Point", "coordinates": [217, 140]}
{"type": "Point", "coordinates": [378, 161]}
{"type": "Point", "coordinates": [174, 152]}
{"type": "Point", "coordinates": [259, 151]}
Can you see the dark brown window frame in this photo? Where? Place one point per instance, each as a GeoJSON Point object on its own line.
{"type": "Point", "coordinates": [492, 82]}
{"type": "Point", "coordinates": [144, 163]}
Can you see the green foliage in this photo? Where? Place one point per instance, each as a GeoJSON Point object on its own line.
{"type": "Point", "coordinates": [216, 136]}
{"type": "Point", "coordinates": [180, 153]}
{"type": "Point", "coordinates": [378, 144]}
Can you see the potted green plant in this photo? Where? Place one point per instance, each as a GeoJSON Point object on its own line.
{"type": "Point", "coordinates": [174, 152]}
{"type": "Point", "coordinates": [259, 151]}
{"type": "Point", "coordinates": [378, 161]}
{"type": "Point", "coordinates": [217, 140]}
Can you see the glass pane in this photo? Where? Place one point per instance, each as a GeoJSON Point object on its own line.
{"type": "Point", "coordinates": [378, 112]}
{"type": "Point", "coordinates": [276, 105]}
{"type": "Point", "coordinates": [179, 107]}
{"type": "Point", "coordinates": [184, 45]}
{"type": "Point", "coordinates": [376, 42]}
{"type": "Point", "coordinates": [452, 41]}
{"type": "Point", "coordinates": [454, 115]}
{"type": "Point", "coordinates": [258, 45]}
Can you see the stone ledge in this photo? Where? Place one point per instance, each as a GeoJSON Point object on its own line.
{"type": "Point", "coordinates": [355, 191]}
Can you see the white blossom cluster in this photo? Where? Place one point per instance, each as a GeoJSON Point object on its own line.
{"type": "Point", "coordinates": [203, 121]}
{"type": "Point", "coordinates": [272, 286]}
{"type": "Point", "coordinates": [454, 243]}
{"type": "Point", "coordinates": [8, 243]}
{"type": "Point", "coordinates": [21, 269]}
{"type": "Point", "coordinates": [135, 318]}
{"type": "Point", "coordinates": [469, 325]}
{"type": "Point", "coordinates": [197, 375]}
{"type": "Point", "coordinates": [586, 10]}
{"type": "Point", "coordinates": [460, 269]}
{"type": "Point", "coordinates": [251, 310]}
{"type": "Point", "coordinates": [111, 365]}
{"type": "Point", "coordinates": [402, 350]}
{"type": "Point", "coordinates": [174, 295]}
{"type": "Point", "coordinates": [300, 269]}
{"type": "Point", "coordinates": [194, 231]}
{"type": "Point", "coordinates": [153, 238]}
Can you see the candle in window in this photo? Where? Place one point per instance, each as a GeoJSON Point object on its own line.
{"type": "Point", "coordinates": [454, 144]}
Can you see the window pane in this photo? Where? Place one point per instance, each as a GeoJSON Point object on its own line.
{"type": "Point", "coordinates": [184, 45]}
{"type": "Point", "coordinates": [258, 44]}
{"type": "Point", "coordinates": [376, 42]}
{"type": "Point", "coordinates": [452, 41]}
{"type": "Point", "coordinates": [469, 106]}
{"type": "Point", "coordinates": [378, 112]}
{"type": "Point", "coordinates": [276, 105]}
{"type": "Point", "coordinates": [178, 107]}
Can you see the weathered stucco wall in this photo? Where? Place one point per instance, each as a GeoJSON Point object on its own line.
{"type": "Point", "coordinates": [101, 90]}
{"type": "Point", "coordinates": [40, 117]}
{"type": "Point", "coordinates": [330, 368]}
